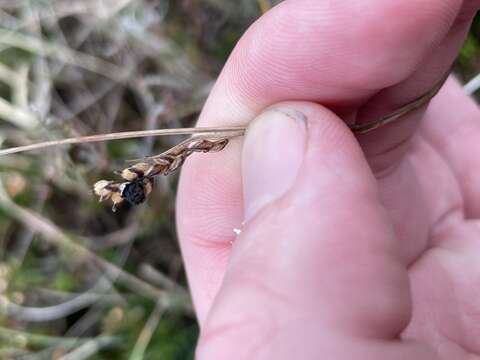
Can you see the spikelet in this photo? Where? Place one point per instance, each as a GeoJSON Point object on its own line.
{"type": "Point", "coordinates": [139, 177]}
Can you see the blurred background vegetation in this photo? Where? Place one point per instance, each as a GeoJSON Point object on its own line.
{"type": "Point", "coordinates": [76, 281]}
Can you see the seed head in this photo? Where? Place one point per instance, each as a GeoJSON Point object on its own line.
{"type": "Point", "coordinates": [140, 176]}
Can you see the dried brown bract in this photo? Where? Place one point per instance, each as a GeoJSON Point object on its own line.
{"type": "Point", "coordinates": [140, 176]}
{"type": "Point", "coordinates": [108, 190]}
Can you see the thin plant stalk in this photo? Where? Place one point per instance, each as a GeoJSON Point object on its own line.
{"type": "Point", "coordinates": [232, 131]}
{"type": "Point", "coordinates": [226, 132]}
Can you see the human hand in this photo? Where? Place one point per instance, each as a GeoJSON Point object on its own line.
{"type": "Point", "coordinates": [348, 251]}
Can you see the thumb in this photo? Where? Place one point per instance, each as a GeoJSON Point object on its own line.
{"type": "Point", "coordinates": [316, 263]}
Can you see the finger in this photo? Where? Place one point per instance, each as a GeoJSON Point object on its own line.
{"type": "Point", "coordinates": [317, 240]}
{"type": "Point", "coordinates": [452, 127]}
{"type": "Point", "coordinates": [386, 146]}
{"type": "Point", "coordinates": [338, 68]}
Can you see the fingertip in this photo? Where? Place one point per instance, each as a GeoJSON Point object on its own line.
{"type": "Point", "coordinates": [205, 182]}
{"type": "Point", "coordinates": [209, 207]}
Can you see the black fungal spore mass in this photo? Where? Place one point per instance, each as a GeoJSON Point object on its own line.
{"type": "Point", "coordinates": [134, 192]}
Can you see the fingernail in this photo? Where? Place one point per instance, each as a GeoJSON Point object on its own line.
{"type": "Point", "coordinates": [273, 153]}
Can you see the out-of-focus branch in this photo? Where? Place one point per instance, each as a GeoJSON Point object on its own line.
{"type": "Point", "coordinates": [51, 295]}
{"type": "Point", "coordinates": [147, 332]}
{"type": "Point", "coordinates": [115, 238]}
{"type": "Point", "coordinates": [16, 115]}
{"type": "Point", "coordinates": [49, 313]}
{"type": "Point", "coordinates": [20, 88]}
{"type": "Point", "coordinates": [14, 337]}
{"type": "Point", "coordinates": [89, 348]}
{"type": "Point", "coordinates": [7, 75]}
{"type": "Point", "coordinates": [153, 276]}
{"type": "Point", "coordinates": [67, 55]}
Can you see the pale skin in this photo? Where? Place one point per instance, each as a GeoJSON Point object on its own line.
{"type": "Point", "coordinates": [371, 250]}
